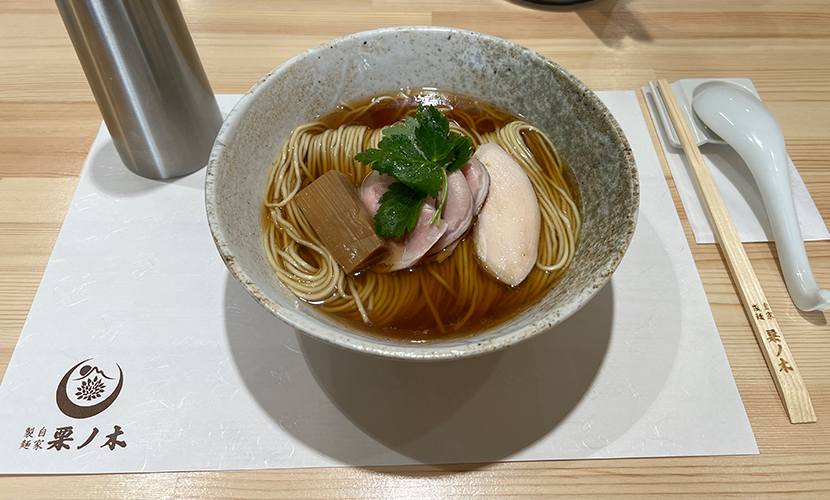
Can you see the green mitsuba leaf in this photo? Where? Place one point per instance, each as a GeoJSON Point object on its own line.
{"type": "Point", "coordinates": [406, 128]}
{"type": "Point", "coordinates": [462, 150]}
{"type": "Point", "coordinates": [418, 153]}
{"type": "Point", "coordinates": [404, 161]}
{"type": "Point", "coordinates": [399, 209]}
{"type": "Point", "coordinates": [432, 134]}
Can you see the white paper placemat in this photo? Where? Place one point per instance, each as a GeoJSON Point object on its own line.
{"type": "Point", "coordinates": [737, 188]}
{"type": "Point", "coordinates": [138, 324]}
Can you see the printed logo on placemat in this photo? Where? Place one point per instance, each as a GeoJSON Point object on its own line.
{"type": "Point", "coordinates": [87, 390]}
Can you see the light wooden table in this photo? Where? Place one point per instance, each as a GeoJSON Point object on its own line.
{"type": "Point", "coordinates": [48, 120]}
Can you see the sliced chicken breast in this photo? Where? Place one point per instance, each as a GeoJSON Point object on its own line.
{"type": "Point", "coordinates": [506, 236]}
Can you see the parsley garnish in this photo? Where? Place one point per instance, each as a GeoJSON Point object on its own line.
{"type": "Point", "coordinates": [418, 154]}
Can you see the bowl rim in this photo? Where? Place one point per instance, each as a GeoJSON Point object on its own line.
{"type": "Point", "coordinates": [416, 352]}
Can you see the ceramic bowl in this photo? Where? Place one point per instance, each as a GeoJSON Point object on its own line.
{"type": "Point", "coordinates": [358, 66]}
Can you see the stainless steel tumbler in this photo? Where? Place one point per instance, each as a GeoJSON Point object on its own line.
{"type": "Point", "coordinates": [148, 81]}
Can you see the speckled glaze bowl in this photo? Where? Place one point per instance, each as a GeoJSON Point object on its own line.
{"type": "Point", "coordinates": [358, 66]}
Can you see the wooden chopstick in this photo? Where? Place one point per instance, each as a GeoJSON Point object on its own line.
{"type": "Point", "coordinates": [779, 360]}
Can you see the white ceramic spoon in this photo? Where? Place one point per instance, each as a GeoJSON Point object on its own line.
{"type": "Point", "coordinates": [747, 125]}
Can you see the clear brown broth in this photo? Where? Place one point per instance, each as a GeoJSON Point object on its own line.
{"type": "Point", "coordinates": [420, 325]}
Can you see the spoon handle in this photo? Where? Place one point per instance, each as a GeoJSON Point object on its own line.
{"type": "Point", "coordinates": [779, 359]}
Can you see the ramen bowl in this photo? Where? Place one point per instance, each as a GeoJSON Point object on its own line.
{"type": "Point", "coordinates": [482, 67]}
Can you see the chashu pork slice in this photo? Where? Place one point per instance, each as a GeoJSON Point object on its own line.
{"type": "Point", "coordinates": [407, 251]}
{"type": "Point", "coordinates": [479, 181]}
{"type": "Point", "coordinates": [506, 236]}
{"type": "Point", "coordinates": [372, 188]}
{"type": "Point", "coordinates": [457, 213]}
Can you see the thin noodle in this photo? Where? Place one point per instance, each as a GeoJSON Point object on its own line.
{"type": "Point", "coordinates": [426, 293]}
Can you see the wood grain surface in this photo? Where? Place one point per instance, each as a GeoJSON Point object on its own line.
{"type": "Point", "coordinates": [48, 120]}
